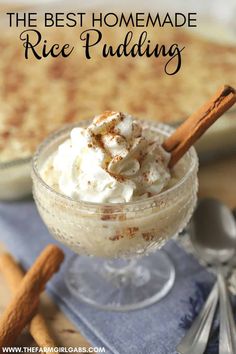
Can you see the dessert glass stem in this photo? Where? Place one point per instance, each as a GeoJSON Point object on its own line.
{"type": "Point", "coordinates": [121, 285]}
{"type": "Point", "coordinates": [123, 272]}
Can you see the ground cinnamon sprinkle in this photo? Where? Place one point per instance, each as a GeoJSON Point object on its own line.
{"type": "Point", "coordinates": [120, 217]}
{"type": "Point", "coordinates": [107, 214]}
{"type": "Point", "coordinates": [116, 237]}
{"type": "Point", "coordinates": [104, 116]}
{"type": "Point", "coordinates": [97, 140]}
{"type": "Point", "coordinates": [131, 231]}
{"type": "Point", "coordinates": [119, 178]}
{"type": "Point", "coordinates": [148, 236]}
{"type": "Point", "coordinates": [117, 158]}
{"type": "Point", "coordinates": [145, 176]}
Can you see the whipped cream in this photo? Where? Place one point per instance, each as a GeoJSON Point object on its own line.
{"type": "Point", "coordinates": [114, 160]}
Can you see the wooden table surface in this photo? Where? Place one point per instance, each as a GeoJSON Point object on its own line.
{"type": "Point", "coordinates": [217, 179]}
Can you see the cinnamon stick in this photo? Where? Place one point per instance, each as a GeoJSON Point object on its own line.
{"type": "Point", "coordinates": [24, 304]}
{"type": "Point", "coordinates": [193, 128]}
{"type": "Point", "coordinates": [14, 276]}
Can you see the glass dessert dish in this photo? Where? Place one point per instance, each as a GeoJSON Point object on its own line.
{"type": "Point", "coordinates": [126, 270]}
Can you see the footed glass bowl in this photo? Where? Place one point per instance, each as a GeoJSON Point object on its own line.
{"type": "Point", "coordinates": [116, 235]}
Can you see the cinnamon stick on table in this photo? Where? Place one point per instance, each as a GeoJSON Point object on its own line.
{"type": "Point", "coordinates": [24, 304]}
{"type": "Point", "coordinates": [193, 128]}
{"type": "Point", "coordinates": [14, 276]}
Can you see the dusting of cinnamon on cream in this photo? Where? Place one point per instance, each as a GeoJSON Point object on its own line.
{"type": "Point", "coordinates": [115, 160]}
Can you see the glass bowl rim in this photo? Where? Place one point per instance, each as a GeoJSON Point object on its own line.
{"type": "Point", "coordinates": [111, 206]}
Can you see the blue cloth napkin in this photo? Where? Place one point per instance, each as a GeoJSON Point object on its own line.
{"type": "Point", "coordinates": [154, 330]}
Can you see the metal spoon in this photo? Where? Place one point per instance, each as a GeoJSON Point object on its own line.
{"type": "Point", "coordinates": [234, 212]}
{"type": "Point", "coordinates": [213, 234]}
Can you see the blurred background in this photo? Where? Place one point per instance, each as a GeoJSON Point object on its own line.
{"type": "Point", "coordinates": [38, 97]}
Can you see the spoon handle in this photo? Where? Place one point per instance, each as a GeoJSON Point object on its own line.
{"type": "Point", "coordinates": [196, 339]}
{"type": "Point", "coordinates": [227, 324]}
